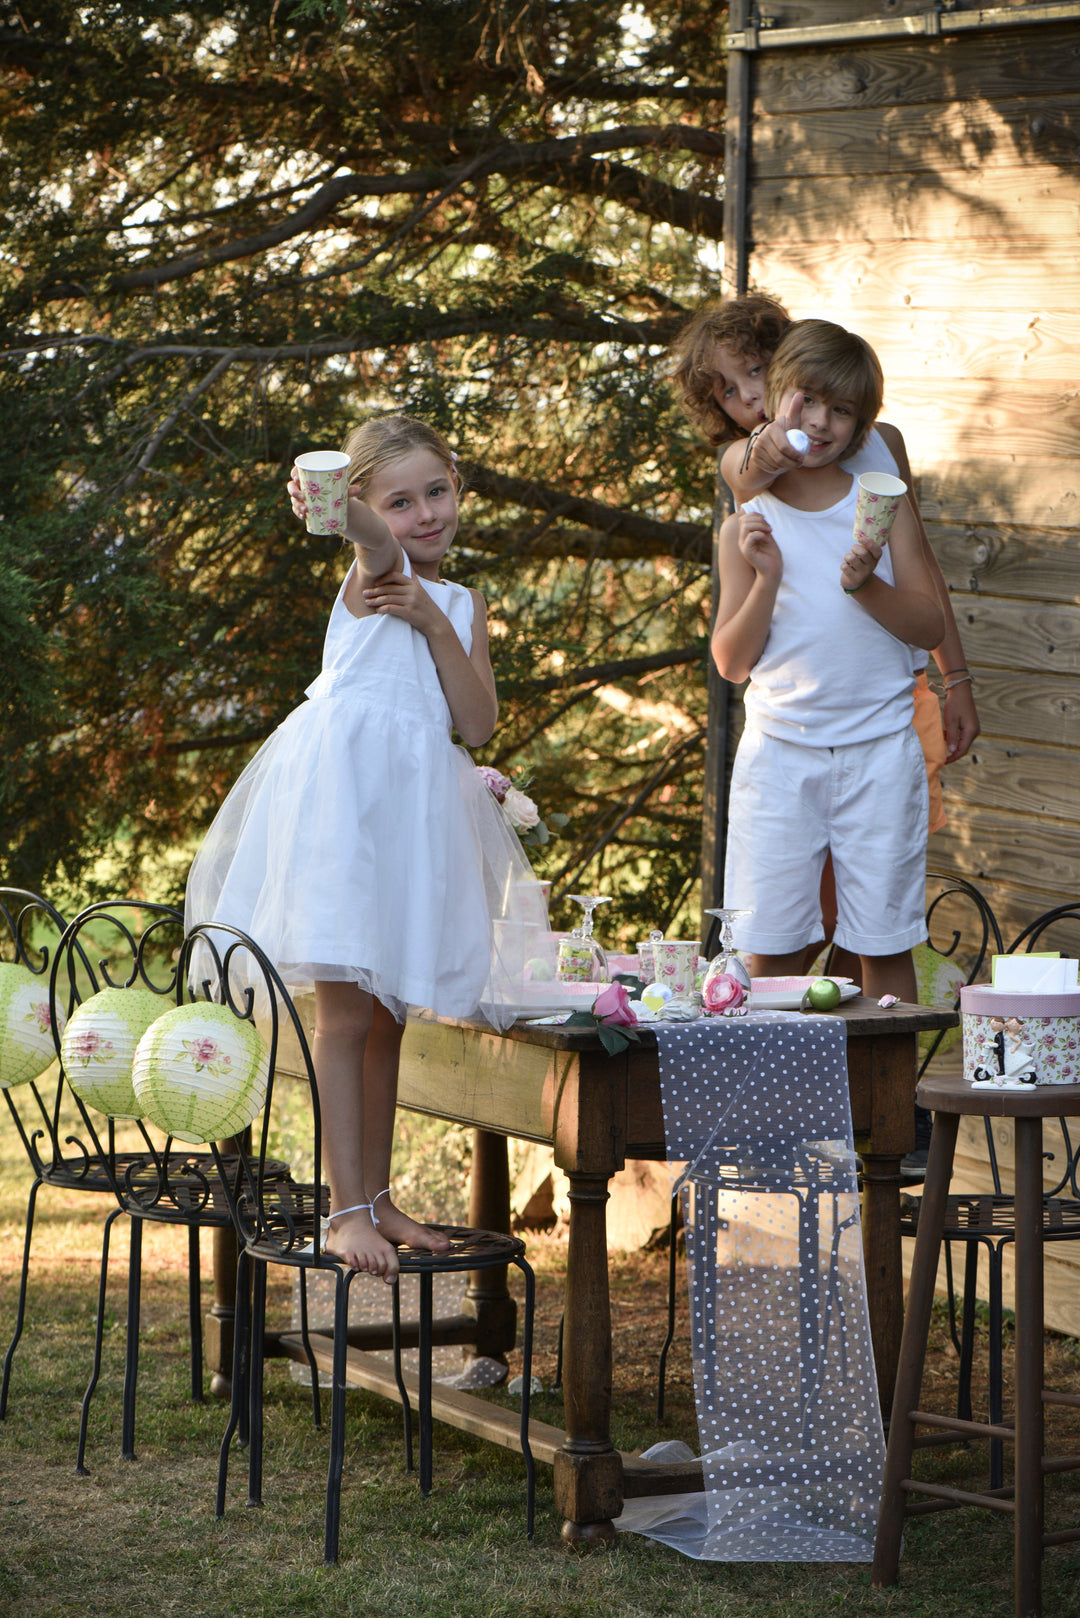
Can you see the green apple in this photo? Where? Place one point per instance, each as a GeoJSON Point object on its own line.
{"type": "Point", "coordinates": [822, 995]}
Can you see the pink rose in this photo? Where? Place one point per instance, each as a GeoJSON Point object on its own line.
{"type": "Point", "coordinates": [521, 812]}
{"type": "Point", "coordinates": [722, 993]}
{"type": "Point", "coordinates": [612, 1006]}
{"type": "Point", "coordinates": [205, 1049]}
{"type": "Point", "coordinates": [496, 782]}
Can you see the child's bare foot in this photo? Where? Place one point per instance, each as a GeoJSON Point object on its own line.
{"type": "Point", "coordinates": [351, 1236]}
{"type": "Point", "coordinates": [398, 1227]}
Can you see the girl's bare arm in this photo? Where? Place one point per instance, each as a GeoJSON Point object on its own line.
{"type": "Point", "coordinates": [961, 718]}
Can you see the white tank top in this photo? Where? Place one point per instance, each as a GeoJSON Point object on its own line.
{"type": "Point", "coordinates": [828, 675]}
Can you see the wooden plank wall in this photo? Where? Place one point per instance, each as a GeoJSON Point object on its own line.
{"type": "Point", "coordinates": [926, 193]}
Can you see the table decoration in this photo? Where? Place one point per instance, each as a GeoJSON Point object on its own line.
{"type": "Point", "coordinates": [200, 1072]}
{"type": "Point", "coordinates": [758, 1129]}
{"type": "Point", "coordinates": [26, 1037]}
{"type": "Point", "coordinates": [98, 1047]}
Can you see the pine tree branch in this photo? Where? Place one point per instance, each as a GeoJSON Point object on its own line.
{"type": "Point", "coordinates": [568, 164]}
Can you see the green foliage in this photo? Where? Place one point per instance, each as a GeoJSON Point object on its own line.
{"type": "Point", "coordinates": [230, 230]}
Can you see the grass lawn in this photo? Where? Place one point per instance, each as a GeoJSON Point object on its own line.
{"type": "Point", "coordinates": [141, 1536]}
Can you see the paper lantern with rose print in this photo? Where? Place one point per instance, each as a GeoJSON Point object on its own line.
{"type": "Point", "coordinates": [99, 1043]}
{"type": "Point", "coordinates": [26, 1041]}
{"type": "Point", "coordinates": [200, 1073]}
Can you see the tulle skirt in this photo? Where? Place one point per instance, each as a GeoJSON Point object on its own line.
{"type": "Point", "coordinates": [360, 845]}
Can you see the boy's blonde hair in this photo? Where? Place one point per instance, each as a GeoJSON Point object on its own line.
{"type": "Point", "coordinates": [819, 357]}
{"type": "Point", "coordinates": [753, 324]}
{"type": "Point", "coordinates": [376, 443]}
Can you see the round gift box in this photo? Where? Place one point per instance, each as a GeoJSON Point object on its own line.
{"type": "Point", "coordinates": [99, 1043]}
{"type": "Point", "coordinates": [26, 1041]}
{"type": "Point", "coordinates": [1049, 1031]}
{"type": "Point", "coordinates": [200, 1073]}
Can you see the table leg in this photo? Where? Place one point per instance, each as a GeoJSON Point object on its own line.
{"type": "Point", "coordinates": [588, 1470]}
{"type": "Point", "coordinates": [488, 1296]}
{"type": "Point", "coordinates": [1028, 1474]}
{"type": "Point", "coordinates": [219, 1324]}
{"type": "Point", "coordinates": [884, 1267]}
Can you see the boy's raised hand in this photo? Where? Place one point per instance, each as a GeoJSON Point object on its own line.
{"type": "Point", "coordinates": [859, 564]}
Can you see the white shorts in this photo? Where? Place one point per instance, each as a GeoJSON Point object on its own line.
{"type": "Point", "coordinates": [790, 804]}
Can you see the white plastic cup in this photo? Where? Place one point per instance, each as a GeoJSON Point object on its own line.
{"type": "Point", "coordinates": [323, 475]}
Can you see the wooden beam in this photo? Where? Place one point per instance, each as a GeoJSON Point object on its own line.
{"type": "Point", "coordinates": [471, 1415]}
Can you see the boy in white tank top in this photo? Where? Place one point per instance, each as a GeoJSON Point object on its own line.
{"type": "Point", "coordinates": [823, 627]}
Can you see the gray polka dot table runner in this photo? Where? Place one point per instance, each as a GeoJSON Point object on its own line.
{"type": "Point", "coordinates": [758, 1123]}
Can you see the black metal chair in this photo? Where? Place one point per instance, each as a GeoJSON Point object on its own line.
{"type": "Point", "coordinates": [123, 944]}
{"type": "Point", "coordinates": [32, 929]}
{"type": "Point", "coordinates": [281, 1222]}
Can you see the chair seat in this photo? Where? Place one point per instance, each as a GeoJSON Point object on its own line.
{"type": "Point", "coordinates": [969, 1216]}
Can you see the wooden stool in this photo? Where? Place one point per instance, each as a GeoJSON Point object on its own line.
{"type": "Point", "coordinates": [948, 1098]}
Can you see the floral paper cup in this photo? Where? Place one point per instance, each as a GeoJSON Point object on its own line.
{"type": "Point", "coordinates": [876, 505]}
{"type": "Point", "coordinates": [324, 478]}
{"type": "Point", "coordinates": [677, 966]}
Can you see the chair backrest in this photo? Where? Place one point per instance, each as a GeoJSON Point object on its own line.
{"type": "Point", "coordinates": [278, 1214]}
{"type": "Point", "coordinates": [114, 944]}
{"type": "Point", "coordinates": [962, 929]}
{"type": "Point", "coordinates": [30, 931]}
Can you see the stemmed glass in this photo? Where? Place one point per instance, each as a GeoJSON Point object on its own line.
{"type": "Point", "coordinates": [727, 962]}
{"type": "Point", "coordinates": [583, 935]}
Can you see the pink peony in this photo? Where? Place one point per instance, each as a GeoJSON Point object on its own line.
{"type": "Point", "coordinates": [521, 812]}
{"type": "Point", "coordinates": [496, 782]}
{"type": "Point", "coordinates": [722, 993]}
{"type": "Point", "coordinates": [612, 1006]}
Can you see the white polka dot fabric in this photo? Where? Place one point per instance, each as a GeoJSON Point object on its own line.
{"type": "Point", "coordinates": [758, 1111]}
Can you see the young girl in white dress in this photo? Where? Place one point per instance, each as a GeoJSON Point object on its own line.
{"type": "Point", "coordinates": [361, 849]}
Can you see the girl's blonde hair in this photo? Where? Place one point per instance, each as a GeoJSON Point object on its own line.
{"type": "Point", "coordinates": [376, 443]}
{"type": "Point", "coordinates": [753, 324]}
{"type": "Point", "coordinates": [819, 357]}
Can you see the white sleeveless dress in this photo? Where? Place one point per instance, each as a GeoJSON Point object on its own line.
{"type": "Point", "coordinates": [361, 845]}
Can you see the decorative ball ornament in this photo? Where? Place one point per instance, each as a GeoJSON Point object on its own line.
{"type": "Point", "coordinates": [26, 1041]}
{"type": "Point", "coordinates": [99, 1045]}
{"type": "Point", "coordinates": [200, 1073]}
{"type": "Point", "coordinates": [822, 995]}
{"type": "Point", "coordinates": [655, 995]}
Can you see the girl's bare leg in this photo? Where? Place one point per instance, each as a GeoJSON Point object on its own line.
{"type": "Point", "coordinates": [381, 1062]}
{"type": "Point", "coordinates": [343, 1018]}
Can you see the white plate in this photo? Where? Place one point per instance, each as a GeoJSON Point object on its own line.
{"type": "Point", "coordinates": [791, 999]}
{"type": "Point", "coordinates": [548, 999]}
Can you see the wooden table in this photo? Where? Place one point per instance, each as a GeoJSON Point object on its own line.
{"type": "Point", "coordinates": [559, 1086]}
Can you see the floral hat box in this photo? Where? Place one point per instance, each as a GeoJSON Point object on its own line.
{"type": "Point", "coordinates": [1013, 1038]}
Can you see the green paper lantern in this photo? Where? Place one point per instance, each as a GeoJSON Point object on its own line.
{"type": "Point", "coordinates": [26, 1041]}
{"type": "Point", "coordinates": [99, 1043]}
{"type": "Point", "coordinates": [200, 1073]}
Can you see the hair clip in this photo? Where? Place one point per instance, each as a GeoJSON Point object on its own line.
{"type": "Point", "coordinates": [453, 456]}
